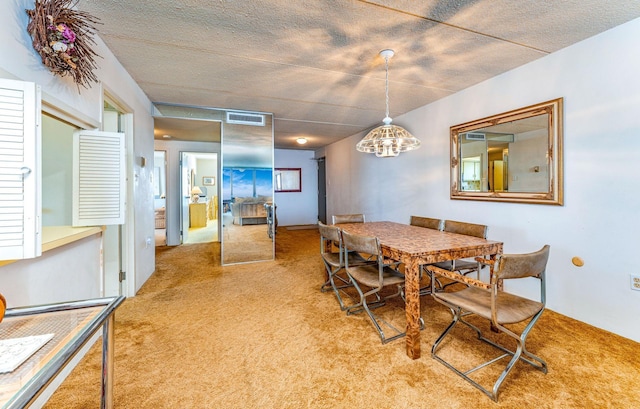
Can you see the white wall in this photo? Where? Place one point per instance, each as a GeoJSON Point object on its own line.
{"type": "Point", "coordinates": [598, 79]}
{"type": "Point", "coordinates": [18, 60]}
{"type": "Point", "coordinates": [55, 277]}
{"type": "Point", "coordinates": [207, 167]}
{"type": "Point", "coordinates": [296, 208]}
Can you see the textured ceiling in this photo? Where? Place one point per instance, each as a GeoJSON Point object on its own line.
{"type": "Point", "coordinates": [315, 64]}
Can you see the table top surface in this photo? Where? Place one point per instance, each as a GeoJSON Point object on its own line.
{"type": "Point", "coordinates": [71, 325]}
{"type": "Point", "coordinates": [419, 241]}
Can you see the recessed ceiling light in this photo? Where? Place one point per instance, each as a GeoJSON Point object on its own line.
{"type": "Point", "coordinates": [301, 141]}
{"type": "Point", "coordinates": [166, 136]}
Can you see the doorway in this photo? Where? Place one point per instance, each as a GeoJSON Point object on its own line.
{"type": "Point", "coordinates": [322, 190]}
{"type": "Point", "coordinates": [199, 197]}
{"type": "Point", "coordinates": [160, 196]}
{"type": "Point", "coordinates": [118, 239]}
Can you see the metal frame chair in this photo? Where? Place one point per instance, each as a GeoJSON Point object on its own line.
{"type": "Point", "coordinates": [347, 218]}
{"type": "Point", "coordinates": [487, 301]}
{"type": "Point", "coordinates": [427, 223]}
{"type": "Point", "coordinates": [468, 229]}
{"type": "Point", "coordinates": [375, 277]}
{"type": "Point", "coordinates": [334, 262]}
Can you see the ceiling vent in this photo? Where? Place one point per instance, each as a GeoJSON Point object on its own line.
{"type": "Point", "coordinates": [475, 136]}
{"type": "Point", "coordinates": [243, 118]}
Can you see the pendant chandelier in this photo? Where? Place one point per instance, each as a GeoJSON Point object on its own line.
{"type": "Point", "coordinates": [387, 140]}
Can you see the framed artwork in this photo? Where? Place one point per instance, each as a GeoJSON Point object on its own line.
{"type": "Point", "coordinates": [288, 179]}
{"type": "Point", "coordinates": [208, 180]}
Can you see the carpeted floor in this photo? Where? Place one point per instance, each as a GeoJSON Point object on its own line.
{"type": "Point", "coordinates": [262, 335]}
{"type": "Point", "coordinates": [246, 243]}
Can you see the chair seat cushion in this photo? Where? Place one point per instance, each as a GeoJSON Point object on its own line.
{"type": "Point", "coordinates": [355, 259]}
{"type": "Point", "coordinates": [368, 275]}
{"type": "Point", "coordinates": [511, 308]}
{"type": "Point", "coordinates": [333, 259]}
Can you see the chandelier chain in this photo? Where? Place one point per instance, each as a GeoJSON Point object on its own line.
{"type": "Point", "coordinates": [387, 140]}
{"type": "Point", "coordinates": [386, 84]}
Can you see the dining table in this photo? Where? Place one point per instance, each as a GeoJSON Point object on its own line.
{"type": "Point", "coordinates": [415, 246]}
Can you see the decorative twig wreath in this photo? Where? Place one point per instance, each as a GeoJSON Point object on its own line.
{"type": "Point", "coordinates": [63, 38]}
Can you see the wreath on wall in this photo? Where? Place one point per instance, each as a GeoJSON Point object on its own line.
{"type": "Point", "coordinates": [63, 37]}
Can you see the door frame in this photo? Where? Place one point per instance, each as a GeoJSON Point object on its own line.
{"type": "Point", "coordinates": [126, 237]}
{"type": "Point", "coordinates": [322, 189]}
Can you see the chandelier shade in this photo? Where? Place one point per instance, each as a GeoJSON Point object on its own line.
{"type": "Point", "coordinates": [387, 140]}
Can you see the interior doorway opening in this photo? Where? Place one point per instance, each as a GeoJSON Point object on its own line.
{"type": "Point", "coordinates": [160, 196]}
{"type": "Point", "coordinates": [199, 197]}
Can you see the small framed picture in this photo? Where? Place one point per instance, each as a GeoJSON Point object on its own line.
{"type": "Point", "coordinates": [208, 180]}
{"type": "Point", "coordinates": [288, 179]}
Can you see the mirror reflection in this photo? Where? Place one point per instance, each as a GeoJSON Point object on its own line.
{"type": "Point", "coordinates": [515, 156]}
{"type": "Point", "coordinates": [288, 179]}
{"type": "Point", "coordinates": [232, 193]}
{"type": "Point", "coordinates": [247, 186]}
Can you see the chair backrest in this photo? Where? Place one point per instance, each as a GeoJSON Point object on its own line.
{"type": "Point", "coordinates": [330, 240]}
{"type": "Point", "coordinates": [361, 244]}
{"type": "Point", "coordinates": [347, 218]}
{"type": "Point", "coordinates": [426, 222]}
{"type": "Point", "coordinates": [329, 232]}
{"type": "Point", "coordinates": [468, 229]}
{"type": "Point", "coordinates": [523, 265]}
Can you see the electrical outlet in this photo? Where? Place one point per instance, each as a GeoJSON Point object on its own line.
{"type": "Point", "coordinates": [635, 282]}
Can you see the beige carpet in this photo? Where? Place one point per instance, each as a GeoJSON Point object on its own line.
{"type": "Point", "coordinates": [263, 336]}
{"type": "Point", "coordinates": [249, 242]}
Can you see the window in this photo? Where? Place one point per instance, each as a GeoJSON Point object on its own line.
{"type": "Point", "coordinates": [246, 182]}
{"type": "Point", "coordinates": [97, 175]}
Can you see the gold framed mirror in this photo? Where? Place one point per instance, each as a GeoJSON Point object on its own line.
{"type": "Point", "coordinates": [515, 156]}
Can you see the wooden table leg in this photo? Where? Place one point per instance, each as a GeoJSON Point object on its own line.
{"type": "Point", "coordinates": [412, 307]}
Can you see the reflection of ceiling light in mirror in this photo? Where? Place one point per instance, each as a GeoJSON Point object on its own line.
{"type": "Point", "coordinates": [301, 141]}
{"type": "Point", "coordinates": [166, 136]}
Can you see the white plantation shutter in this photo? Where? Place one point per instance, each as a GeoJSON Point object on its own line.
{"type": "Point", "coordinates": [98, 178]}
{"type": "Point", "coordinates": [20, 170]}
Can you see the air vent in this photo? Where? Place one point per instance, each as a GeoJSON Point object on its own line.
{"type": "Point", "coordinates": [243, 118]}
{"type": "Point", "coordinates": [471, 136]}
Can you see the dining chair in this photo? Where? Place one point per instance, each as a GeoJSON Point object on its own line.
{"type": "Point", "coordinates": [333, 257]}
{"type": "Point", "coordinates": [427, 223]}
{"type": "Point", "coordinates": [463, 266]}
{"type": "Point", "coordinates": [370, 279]}
{"type": "Point", "coordinates": [347, 218]}
{"type": "Point", "coordinates": [502, 309]}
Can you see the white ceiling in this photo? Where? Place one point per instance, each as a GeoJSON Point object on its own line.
{"type": "Point", "coordinates": [315, 64]}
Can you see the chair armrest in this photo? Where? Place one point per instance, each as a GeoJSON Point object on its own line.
{"type": "Point", "coordinates": [459, 277]}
